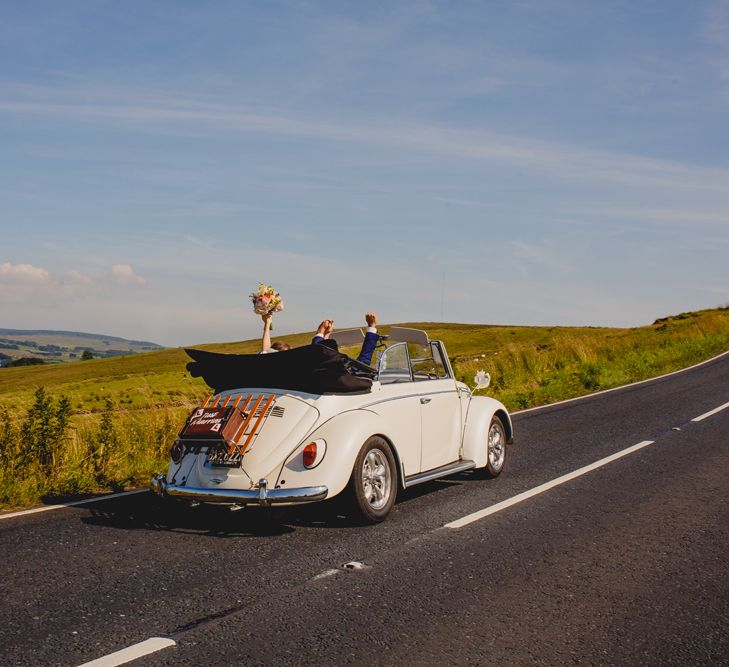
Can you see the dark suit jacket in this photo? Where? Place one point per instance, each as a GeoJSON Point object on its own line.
{"type": "Point", "coordinates": [368, 346]}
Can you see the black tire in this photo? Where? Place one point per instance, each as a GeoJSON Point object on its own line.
{"type": "Point", "coordinates": [495, 447]}
{"type": "Point", "coordinates": [372, 489]}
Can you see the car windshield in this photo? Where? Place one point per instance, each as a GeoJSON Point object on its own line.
{"type": "Point", "coordinates": [411, 362]}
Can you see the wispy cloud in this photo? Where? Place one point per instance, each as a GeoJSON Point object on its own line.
{"type": "Point", "coordinates": [470, 203]}
{"type": "Point", "coordinates": [545, 255]}
{"type": "Point", "coordinates": [716, 40]}
{"type": "Point", "coordinates": [566, 161]}
{"type": "Point", "coordinates": [658, 215]}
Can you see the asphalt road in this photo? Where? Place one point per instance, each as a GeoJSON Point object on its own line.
{"type": "Point", "coordinates": [627, 564]}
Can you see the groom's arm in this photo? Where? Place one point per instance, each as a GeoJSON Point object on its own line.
{"type": "Point", "coordinates": [370, 342]}
{"type": "Point", "coordinates": [323, 332]}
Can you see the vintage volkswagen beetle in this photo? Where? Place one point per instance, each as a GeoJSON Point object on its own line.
{"type": "Point", "coordinates": [311, 423]}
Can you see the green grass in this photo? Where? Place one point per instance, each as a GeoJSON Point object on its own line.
{"type": "Point", "coordinates": [151, 393]}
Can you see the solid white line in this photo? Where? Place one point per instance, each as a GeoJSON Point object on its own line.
{"type": "Point", "coordinates": [48, 508]}
{"type": "Point", "coordinates": [622, 386]}
{"type": "Point", "coordinates": [131, 653]}
{"type": "Point", "coordinates": [492, 509]}
{"type": "Point", "coordinates": [710, 412]}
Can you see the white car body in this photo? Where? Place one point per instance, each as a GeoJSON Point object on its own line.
{"type": "Point", "coordinates": [434, 426]}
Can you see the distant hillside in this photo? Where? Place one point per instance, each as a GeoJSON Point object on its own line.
{"type": "Point", "coordinates": [57, 346]}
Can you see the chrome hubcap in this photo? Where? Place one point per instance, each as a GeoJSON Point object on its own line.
{"type": "Point", "coordinates": [376, 478]}
{"type": "Point", "coordinates": [497, 446]}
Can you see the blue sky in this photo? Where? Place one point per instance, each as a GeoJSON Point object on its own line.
{"type": "Point", "coordinates": [533, 162]}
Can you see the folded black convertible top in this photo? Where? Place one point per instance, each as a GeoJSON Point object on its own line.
{"type": "Point", "coordinates": [315, 369]}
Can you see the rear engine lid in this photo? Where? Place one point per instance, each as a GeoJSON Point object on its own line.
{"type": "Point", "coordinates": [273, 425]}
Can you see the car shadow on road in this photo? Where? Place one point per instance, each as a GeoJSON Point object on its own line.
{"type": "Point", "coordinates": [146, 511]}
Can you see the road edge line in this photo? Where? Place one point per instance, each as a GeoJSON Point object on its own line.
{"type": "Point", "coordinates": [622, 386]}
{"type": "Point", "coordinates": [86, 501]}
{"type": "Point", "coordinates": [492, 509]}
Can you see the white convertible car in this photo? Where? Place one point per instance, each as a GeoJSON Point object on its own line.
{"type": "Point", "coordinates": [311, 423]}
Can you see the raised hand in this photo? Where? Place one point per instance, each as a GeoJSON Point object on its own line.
{"type": "Point", "coordinates": [325, 327]}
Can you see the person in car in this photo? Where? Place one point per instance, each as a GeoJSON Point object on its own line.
{"type": "Point", "coordinates": [326, 328]}
{"type": "Point", "coordinates": [266, 346]}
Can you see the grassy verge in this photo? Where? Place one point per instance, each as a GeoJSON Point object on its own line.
{"type": "Point", "coordinates": [121, 414]}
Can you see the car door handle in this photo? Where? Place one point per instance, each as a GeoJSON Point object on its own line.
{"type": "Point", "coordinates": [425, 400]}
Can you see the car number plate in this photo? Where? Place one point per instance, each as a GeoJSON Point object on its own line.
{"type": "Point", "coordinates": [218, 456]}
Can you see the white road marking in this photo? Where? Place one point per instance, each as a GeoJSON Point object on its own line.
{"type": "Point", "coordinates": [492, 509]}
{"type": "Point", "coordinates": [48, 508]}
{"type": "Point", "coordinates": [622, 386]}
{"type": "Point", "coordinates": [131, 653]}
{"type": "Point", "coordinates": [325, 574]}
{"type": "Point", "coordinates": [710, 412]}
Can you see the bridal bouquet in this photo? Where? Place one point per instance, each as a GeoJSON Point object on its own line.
{"type": "Point", "coordinates": [266, 300]}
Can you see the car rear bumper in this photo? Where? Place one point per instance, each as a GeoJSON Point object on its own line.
{"type": "Point", "coordinates": [262, 496]}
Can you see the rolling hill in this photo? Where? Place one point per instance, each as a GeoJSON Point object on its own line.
{"type": "Point", "coordinates": [55, 346]}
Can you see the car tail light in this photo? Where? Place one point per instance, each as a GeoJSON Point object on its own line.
{"type": "Point", "coordinates": [177, 452]}
{"type": "Point", "coordinates": [313, 453]}
{"type": "Point", "coordinates": [310, 455]}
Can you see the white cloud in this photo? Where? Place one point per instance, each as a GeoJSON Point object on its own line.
{"type": "Point", "coordinates": [23, 274]}
{"type": "Point", "coordinates": [123, 274]}
{"type": "Point", "coordinates": [22, 282]}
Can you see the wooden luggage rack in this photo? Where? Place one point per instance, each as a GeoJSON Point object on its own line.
{"type": "Point", "coordinates": [237, 426]}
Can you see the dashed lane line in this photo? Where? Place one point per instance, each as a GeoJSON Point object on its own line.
{"type": "Point", "coordinates": [48, 508]}
{"type": "Point", "coordinates": [710, 413]}
{"type": "Point", "coordinates": [492, 509]}
{"type": "Point", "coordinates": [131, 652]}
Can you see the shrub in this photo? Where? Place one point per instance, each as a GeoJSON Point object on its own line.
{"type": "Point", "coordinates": [104, 444]}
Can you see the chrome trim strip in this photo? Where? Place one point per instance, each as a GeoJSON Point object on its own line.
{"type": "Point", "coordinates": [418, 395]}
{"type": "Point", "coordinates": [436, 473]}
{"type": "Point", "coordinates": [262, 496]}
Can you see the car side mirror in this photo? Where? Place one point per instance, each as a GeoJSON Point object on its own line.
{"type": "Point", "coordinates": [482, 380]}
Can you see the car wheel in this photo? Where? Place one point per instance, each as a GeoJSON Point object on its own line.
{"type": "Point", "coordinates": [495, 447]}
{"type": "Point", "coordinates": [373, 485]}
